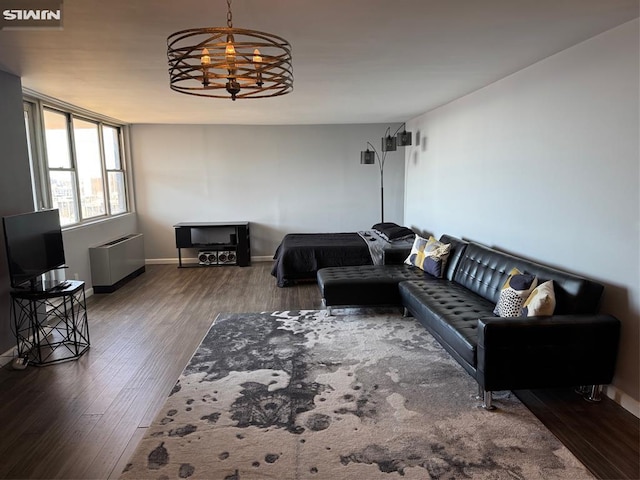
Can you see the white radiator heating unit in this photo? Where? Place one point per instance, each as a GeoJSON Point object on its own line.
{"type": "Point", "coordinates": [116, 261]}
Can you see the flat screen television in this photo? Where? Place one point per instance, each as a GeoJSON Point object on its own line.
{"type": "Point", "coordinates": [34, 247]}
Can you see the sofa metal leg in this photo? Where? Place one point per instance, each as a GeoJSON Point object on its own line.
{"type": "Point", "coordinates": [486, 397]}
{"type": "Point", "coordinates": [406, 312]}
{"type": "Point", "coordinates": [329, 312]}
{"type": "Point", "coordinates": [582, 390]}
{"type": "Point", "coordinates": [594, 394]}
{"type": "Point", "coordinates": [487, 400]}
{"type": "Point", "coordinates": [325, 306]}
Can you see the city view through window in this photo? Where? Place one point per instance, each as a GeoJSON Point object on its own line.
{"type": "Point", "coordinates": [85, 168]}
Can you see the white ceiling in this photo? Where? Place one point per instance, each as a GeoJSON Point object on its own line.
{"type": "Point", "coordinates": [354, 61]}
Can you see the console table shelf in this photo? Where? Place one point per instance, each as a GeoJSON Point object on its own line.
{"type": "Point", "coordinates": [218, 243]}
{"type": "Point", "coordinates": [51, 326]}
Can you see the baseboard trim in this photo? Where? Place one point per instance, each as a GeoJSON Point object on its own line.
{"type": "Point", "coordinates": [189, 261]}
{"type": "Point", "coordinates": [624, 400]}
{"type": "Point", "coordinates": [167, 261]}
{"type": "Point", "coordinates": [264, 258]}
{"type": "Point", "coordinates": [7, 357]}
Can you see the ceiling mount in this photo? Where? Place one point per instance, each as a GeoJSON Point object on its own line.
{"type": "Point", "coordinates": [228, 62]}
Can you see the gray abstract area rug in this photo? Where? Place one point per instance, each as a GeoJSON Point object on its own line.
{"type": "Point", "coordinates": [303, 395]}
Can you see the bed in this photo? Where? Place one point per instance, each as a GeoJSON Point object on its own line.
{"type": "Point", "coordinates": [300, 255]}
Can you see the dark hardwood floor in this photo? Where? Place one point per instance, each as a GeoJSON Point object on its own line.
{"type": "Point", "coordinates": [82, 419]}
{"type": "Point", "coordinates": [603, 436]}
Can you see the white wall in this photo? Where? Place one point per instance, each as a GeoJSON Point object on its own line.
{"type": "Point", "coordinates": [544, 164]}
{"type": "Point", "coordinates": [282, 179]}
{"type": "Point", "coordinates": [15, 184]}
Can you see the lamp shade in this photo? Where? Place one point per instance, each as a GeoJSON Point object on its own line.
{"type": "Point", "coordinates": [388, 144]}
{"type": "Point", "coordinates": [403, 139]}
{"type": "Point", "coordinates": [367, 157]}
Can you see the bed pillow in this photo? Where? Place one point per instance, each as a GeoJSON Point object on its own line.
{"type": "Point", "coordinates": [429, 255]}
{"type": "Point", "coordinates": [392, 232]}
{"type": "Point", "coordinates": [514, 293]}
{"type": "Point", "coordinates": [542, 301]}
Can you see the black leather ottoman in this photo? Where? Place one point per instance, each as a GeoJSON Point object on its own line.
{"type": "Point", "coordinates": [365, 285]}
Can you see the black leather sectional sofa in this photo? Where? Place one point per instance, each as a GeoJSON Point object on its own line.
{"type": "Point", "coordinates": [576, 346]}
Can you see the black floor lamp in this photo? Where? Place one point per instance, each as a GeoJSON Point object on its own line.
{"type": "Point", "coordinates": [389, 144]}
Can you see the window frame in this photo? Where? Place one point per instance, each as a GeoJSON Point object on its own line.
{"type": "Point", "coordinates": [30, 115]}
{"type": "Point", "coordinates": [35, 105]}
{"type": "Point", "coordinates": [122, 169]}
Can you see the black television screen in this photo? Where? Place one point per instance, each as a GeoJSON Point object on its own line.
{"type": "Point", "coordinates": [34, 245]}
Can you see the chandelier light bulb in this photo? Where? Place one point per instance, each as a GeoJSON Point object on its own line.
{"type": "Point", "coordinates": [230, 55]}
{"type": "Point", "coordinates": [205, 59]}
{"type": "Point", "coordinates": [257, 61]}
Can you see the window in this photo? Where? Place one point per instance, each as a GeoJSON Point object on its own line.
{"type": "Point", "coordinates": [115, 172]}
{"type": "Point", "coordinates": [29, 126]}
{"type": "Point", "coordinates": [82, 166]}
{"type": "Point", "coordinates": [62, 176]}
{"type": "Point", "coordinates": [90, 178]}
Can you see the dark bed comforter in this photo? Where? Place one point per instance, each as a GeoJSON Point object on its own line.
{"type": "Point", "coordinates": [301, 255]}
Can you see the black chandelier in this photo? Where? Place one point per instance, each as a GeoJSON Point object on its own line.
{"type": "Point", "coordinates": [389, 144]}
{"type": "Point", "coordinates": [228, 62]}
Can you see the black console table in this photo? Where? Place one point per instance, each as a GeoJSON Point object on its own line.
{"type": "Point", "coordinates": [51, 326]}
{"type": "Point", "coordinates": [218, 243]}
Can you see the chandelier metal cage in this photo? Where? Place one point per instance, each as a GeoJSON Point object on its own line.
{"type": "Point", "coordinates": [228, 62]}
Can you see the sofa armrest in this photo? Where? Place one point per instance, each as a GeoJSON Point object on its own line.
{"type": "Point", "coordinates": [546, 352]}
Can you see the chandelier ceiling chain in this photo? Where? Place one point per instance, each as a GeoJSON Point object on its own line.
{"type": "Point", "coordinates": [228, 62]}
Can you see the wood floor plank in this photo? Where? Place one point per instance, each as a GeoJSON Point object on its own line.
{"type": "Point", "coordinates": [126, 454]}
{"type": "Point", "coordinates": [603, 436]}
{"type": "Point", "coordinates": [82, 419]}
{"type": "Point", "coordinates": [69, 441]}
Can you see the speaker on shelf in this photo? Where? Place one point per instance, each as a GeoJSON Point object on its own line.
{"type": "Point", "coordinates": [207, 257]}
{"type": "Point", "coordinates": [227, 257]}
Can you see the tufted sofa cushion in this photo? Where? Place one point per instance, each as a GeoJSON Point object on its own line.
{"type": "Point", "coordinates": [450, 312]}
